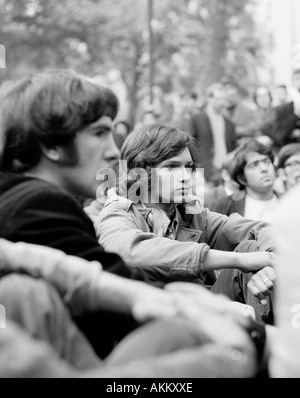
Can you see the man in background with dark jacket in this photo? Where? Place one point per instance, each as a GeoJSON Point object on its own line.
{"type": "Point", "coordinates": [214, 132]}
{"type": "Point", "coordinates": [254, 171]}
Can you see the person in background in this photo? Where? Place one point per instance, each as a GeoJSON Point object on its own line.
{"type": "Point", "coordinates": [214, 133]}
{"type": "Point", "coordinates": [189, 103]}
{"type": "Point", "coordinates": [216, 195]}
{"type": "Point", "coordinates": [240, 110]}
{"type": "Point", "coordinates": [280, 95]}
{"type": "Point", "coordinates": [122, 128]}
{"type": "Point", "coordinates": [288, 164]}
{"type": "Point", "coordinates": [265, 116]}
{"type": "Point", "coordinates": [253, 169]}
{"type": "Point", "coordinates": [287, 126]}
{"type": "Point", "coordinates": [150, 116]}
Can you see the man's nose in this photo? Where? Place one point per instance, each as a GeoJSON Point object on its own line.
{"type": "Point", "coordinates": [112, 152]}
{"type": "Point", "coordinates": [186, 175]}
{"type": "Point", "coordinates": [263, 167]}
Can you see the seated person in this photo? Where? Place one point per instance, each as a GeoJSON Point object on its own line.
{"type": "Point", "coordinates": [51, 148]}
{"type": "Point", "coordinates": [178, 345]}
{"type": "Point", "coordinates": [162, 229]}
{"type": "Point", "coordinates": [253, 169]}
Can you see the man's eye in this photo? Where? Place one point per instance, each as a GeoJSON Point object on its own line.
{"type": "Point", "coordinates": [191, 168]}
{"type": "Point", "coordinates": [102, 132]}
{"type": "Point", "coordinates": [99, 132]}
{"type": "Point", "coordinates": [253, 165]}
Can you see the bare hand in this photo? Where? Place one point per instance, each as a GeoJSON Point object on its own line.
{"type": "Point", "coordinates": [217, 318]}
{"type": "Point", "coordinates": [153, 303]}
{"type": "Point", "coordinates": [261, 284]}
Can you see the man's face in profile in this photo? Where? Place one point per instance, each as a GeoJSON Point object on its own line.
{"type": "Point", "coordinates": [95, 149]}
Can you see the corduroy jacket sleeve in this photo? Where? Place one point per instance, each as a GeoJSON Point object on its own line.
{"type": "Point", "coordinates": [125, 232]}
{"type": "Point", "coordinates": [226, 233]}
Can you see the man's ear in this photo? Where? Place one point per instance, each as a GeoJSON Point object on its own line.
{"type": "Point", "coordinates": [52, 154]}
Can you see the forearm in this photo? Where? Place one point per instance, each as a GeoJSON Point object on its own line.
{"type": "Point", "coordinates": [82, 285]}
{"type": "Point", "coordinates": [74, 279]}
{"type": "Point", "coordinates": [118, 294]}
{"type": "Point", "coordinates": [216, 260]}
{"type": "Point", "coordinates": [245, 262]}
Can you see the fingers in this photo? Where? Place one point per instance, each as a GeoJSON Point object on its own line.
{"type": "Point", "coordinates": [261, 285]}
{"type": "Point", "coordinates": [243, 310]}
{"type": "Point", "coordinates": [268, 273]}
{"type": "Point", "coordinates": [256, 292]}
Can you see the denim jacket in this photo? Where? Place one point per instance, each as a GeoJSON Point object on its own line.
{"type": "Point", "coordinates": [122, 228]}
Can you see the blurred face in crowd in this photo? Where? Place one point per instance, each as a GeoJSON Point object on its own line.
{"type": "Point", "coordinates": [175, 177]}
{"type": "Point", "coordinates": [217, 100]}
{"type": "Point", "coordinates": [280, 95]}
{"type": "Point", "coordinates": [120, 134]}
{"type": "Point", "coordinates": [263, 98]}
{"type": "Point", "coordinates": [296, 80]}
{"type": "Point", "coordinates": [93, 149]}
{"type": "Point", "coordinates": [232, 95]}
{"type": "Point", "coordinates": [149, 118]}
{"type": "Point", "coordinates": [259, 173]}
{"type": "Point", "coordinates": [121, 129]}
{"type": "Point", "coordinates": [292, 171]}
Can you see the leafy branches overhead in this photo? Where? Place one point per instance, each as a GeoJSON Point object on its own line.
{"type": "Point", "coordinates": [195, 41]}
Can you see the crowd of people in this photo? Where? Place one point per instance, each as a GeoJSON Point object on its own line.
{"type": "Point", "coordinates": [143, 279]}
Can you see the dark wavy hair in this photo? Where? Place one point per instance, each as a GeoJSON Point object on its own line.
{"type": "Point", "coordinates": [47, 109]}
{"type": "Point", "coordinates": [147, 147]}
{"type": "Point", "coordinates": [240, 159]}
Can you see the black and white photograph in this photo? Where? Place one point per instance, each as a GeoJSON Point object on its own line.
{"type": "Point", "coordinates": [149, 192]}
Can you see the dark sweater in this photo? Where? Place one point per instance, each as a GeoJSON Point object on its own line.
{"type": "Point", "coordinates": [37, 212]}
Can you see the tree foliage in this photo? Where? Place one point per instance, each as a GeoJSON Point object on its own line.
{"type": "Point", "coordinates": [196, 41]}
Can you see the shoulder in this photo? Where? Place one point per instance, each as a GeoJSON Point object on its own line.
{"type": "Point", "coordinates": [48, 196]}
{"type": "Point", "coordinates": [33, 194]}
{"type": "Point", "coordinates": [117, 203]}
{"type": "Point", "coordinates": [120, 211]}
{"type": "Point", "coordinates": [16, 186]}
{"type": "Point", "coordinates": [120, 206]}
{"type": "Point", "coordinates": [285, 109]}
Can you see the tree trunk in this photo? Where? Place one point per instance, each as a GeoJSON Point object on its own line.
{"type": "Point", "coordinates": [217, 41]}
{"type": "Point", "coordinates": [133, 90]}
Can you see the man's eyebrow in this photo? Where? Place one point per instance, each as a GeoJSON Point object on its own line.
{"type": "Point", "coordinates": [177, 163]}
{"type": "Point", "coordinates": [101, 127]}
